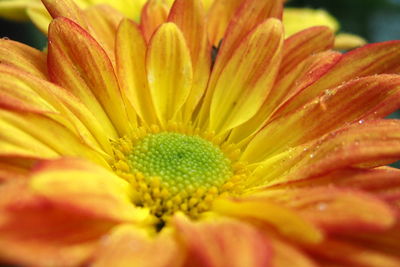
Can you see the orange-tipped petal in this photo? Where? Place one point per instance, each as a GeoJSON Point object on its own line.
{"type": "Point", "coordinates": [131, 69]}
{"type": "Point", "coordinates": [169, 71]}
{"type": "Point", "coordinates": [383, 182]}
{"type": "Point", "coordinates": [247, 78]}
{"type": "Point", "coordinates": [23, 92]}
{"type": "Point", "coordinates": [127, 245]}
{"type": "Point", "coordinates": [336, 210]}
{"type": "Point", "coordinates": [374, 96]}
{"type": "Point", "coordinates": [282, 89]}
{"type": "Point", "coordinates": [303, 44]}
{"type": "Point", "coordinates": [35, 232]}
{"type": "Point", "coordinates": [104, 21]}
{"type": "Point", "coordinates": [223, 243]}
{"type": "Point", "coordinates": [66, 8]}
{"type": "Point", "coordinates": [219, 16]}
{"type": "Point", "coordinates": [250, 14]}
{"type": "Point", "coordinates": [368, 60]}
{"type": "Point", "coordinates": [11, 170]}
{"type": "Point", "coordinates": [36, 135]}
{"type": "Point", "coordinates": [367, 144]}
{"type": "Point", "coordinates": [287, 255]}
{"type": "Point", "coordinates": [154, 13]}
{"type": "Point", "coordinates": [342, 253]}
{"type": "Point", "coordinates": [285, 220]}
{"type": "Point", "coordinates": [87, 187]}
{"type": "Point", "coordinates": [189, 16]}
{"type": "Point", "coordinates": [23, 57]}
{"type": "Point", "coordinates": [77, 62]}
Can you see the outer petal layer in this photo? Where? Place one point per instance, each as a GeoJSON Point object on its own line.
{"type": "Point", "coordinates": [223, 243]}
{"type": "Point", "coordinates": [130, 246]}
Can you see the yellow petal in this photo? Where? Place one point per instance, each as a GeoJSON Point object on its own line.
{"type": "Point", "coordinates": [131, 69]}
{"type": "Point", "coordinates": [297, 19]}
{"type": "Point", "coordinates": [189, 16]}
{"type": "Point", "coordinates": [346, 41]}
{"type": "Point", "coordinates": [248, 77]}
{"type": "Point", "coordinates": [169, 71]}
{"type": "Point", "coordinates": [88, 188]}
{"type": "Point", "coordinates": [286, 221]}
{"type": "Point", "coordinates": [78, 63]}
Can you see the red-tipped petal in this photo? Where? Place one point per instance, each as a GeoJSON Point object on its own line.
{"type": "Point", "coordinates": [154, 13]}
{"type": "Point", "coordinates": [128, 245]}
{"type": "Point", "coordinates": [369, 60]}
{"type": "Point", "coordinates": [223, 243]}
{"type": "Point", "coordinates": [23, 57]}
{"type": "Point", "coordinates": [248, 77]}
{"type": "Point", "coordinates": [370, 144]}
{"type": "Point", "coordinates": [78, 63]}
{"type": "Point", "coordinates": [374, 96]}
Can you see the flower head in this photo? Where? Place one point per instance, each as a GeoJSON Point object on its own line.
{"type": "Point", "coordinates": [158, 150]}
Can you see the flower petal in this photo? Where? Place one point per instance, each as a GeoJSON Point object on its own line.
{"type": "Point", "coordinates": [104, 21]}
{"type": "Point", "coordinates": [219, 16]}
{"type": "Point", "coordinates": [154, 13]}
{"type": "Point", "coordinates": [303, 44]}
{"type": "Point", "coordinates": [66, 8]}
{"type": "Point", "coordinates": [38, 136]}
{"type": "Point", "coordinates": [128, 245]}
{"type": "Point", "coordinates": [189, 16]}
{"type": "Point", "coordinates": [336, 210]}
{"type": "Point", "coordinates": [250, 14]}
{"type": "Point", "coordinates": [23, 57]}
{"type": "Point", "coordinates": [78, 63]}
{"type": "Point", "coordinates": [131, 69]}
{"type": "Point", "coordinates": [368, 60]}
{"type": "Point", "coordinates": [248, 77]}
{"type": "Point", "coordinates": [375, 96]}
{"type": "Point", "coordinates": [40, 17]}
{"type": "Point", "coordinates": [347, 254]}
{"type": "Point", "coordinates": [287, 255]}
{"type": "Point", "coordinates": [169, 71]}
{"type": "Point", "coordinates": [282, 89]}
{"type": "Point", "coordinates": [367, 144]}
{"type": "Point", "coordinates": [223, 243]}
{"type": "Point", "coordinates": [23, 92]}
{"type": "Point", "coordinates": [14, 168]}
{"type": "Point", "coordinates": [87, 187]}
{"type": "Point", "coordinates": [34, 232]}
{"type": "Point", "coordinates": [286, 221]}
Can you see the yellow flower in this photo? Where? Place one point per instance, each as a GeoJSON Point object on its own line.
{"type": "Point", "coordinates": [220, 13]}
{"type": "Point", "coordinates": [155, 153]}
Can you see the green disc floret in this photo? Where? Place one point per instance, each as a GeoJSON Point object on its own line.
{"type": "Point", "coordinates": [180, 160]}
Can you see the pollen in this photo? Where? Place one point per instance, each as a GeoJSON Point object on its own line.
{"type": "Point", "coordinates": [177, 170]}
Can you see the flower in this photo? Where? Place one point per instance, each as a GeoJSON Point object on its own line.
{"type": "Point", "coordinates": [220, 13]}
{"type": "Point", "coordinates": [157, 154]}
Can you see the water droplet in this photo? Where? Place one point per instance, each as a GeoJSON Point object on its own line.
{"type": "Point", "coordinates": [312, 155]}
{"type": "Point", "coordinates": [322, 206]}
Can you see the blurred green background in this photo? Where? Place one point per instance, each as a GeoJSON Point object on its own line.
{"type": "Point", "coordinates": [375, 20]}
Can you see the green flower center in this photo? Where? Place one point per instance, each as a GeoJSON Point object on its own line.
{"type": "Point", "coordinates": [180, 161]}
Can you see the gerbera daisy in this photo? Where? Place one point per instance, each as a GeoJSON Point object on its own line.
{"type": "Point", "coordinates": [165, 152]}
{"type": "Point", "coordinates": [106, 13]}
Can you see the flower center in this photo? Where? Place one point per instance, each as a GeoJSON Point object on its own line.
{"type": "Point", "coordinates": [177, 171]}
{"type": "Point", "coordinates": [180, 161]}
